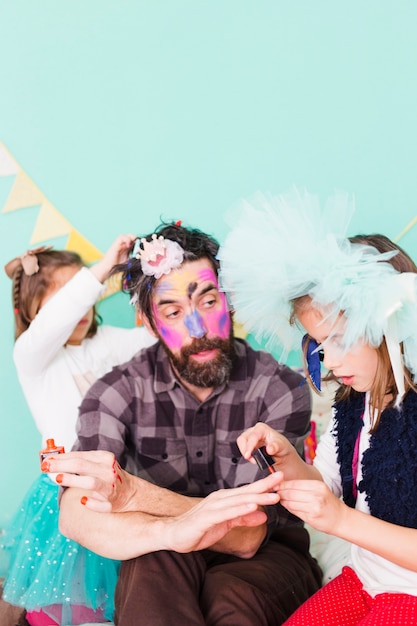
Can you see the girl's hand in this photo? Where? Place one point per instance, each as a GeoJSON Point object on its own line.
{"type": "Point", "coordinates": [117, 253]}
{"type": "Point", "coordinates": [314, 503]}
{"type": "Point", "coordinates": [97, 472]}
{"type": "Point", "coordinates": [275, 444]}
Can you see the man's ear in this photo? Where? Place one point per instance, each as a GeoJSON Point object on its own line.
{"type": "Point", "coordinates": [147, 324]}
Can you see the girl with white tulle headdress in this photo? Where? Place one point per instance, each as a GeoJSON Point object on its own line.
{"type": "Point", "coordinates": [293, 275]}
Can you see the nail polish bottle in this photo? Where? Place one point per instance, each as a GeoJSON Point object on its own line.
{"type": "Point", "coordinates": [50, 449]}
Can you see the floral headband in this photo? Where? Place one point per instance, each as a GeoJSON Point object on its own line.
{"type": "Point", "coordinates": [158, 256]}
{"type": "Point", "coordinates": [28, 261]}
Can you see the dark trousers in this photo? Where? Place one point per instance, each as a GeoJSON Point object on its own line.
{"type": "Point", "coordinates": [216, 589]}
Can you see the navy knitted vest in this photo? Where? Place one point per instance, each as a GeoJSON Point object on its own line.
{"type": "Point", "coordinates": [389, 465]}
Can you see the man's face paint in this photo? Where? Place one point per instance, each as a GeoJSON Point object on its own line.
{"type": "Point", "coordinates": [187, 305]}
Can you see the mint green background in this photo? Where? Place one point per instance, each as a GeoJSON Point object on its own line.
{"type": "Point", "coordinates": [127, 110]}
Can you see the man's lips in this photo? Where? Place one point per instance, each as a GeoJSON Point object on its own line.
{"type": "Point", "coordinates": [204, 355]}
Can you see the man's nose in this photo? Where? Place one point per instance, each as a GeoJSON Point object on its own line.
{"type": "Point", "coordinates": [195, 325]}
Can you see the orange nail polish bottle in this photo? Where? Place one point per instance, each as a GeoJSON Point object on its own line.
{"type": "Point", "coordinates": [50, 449]}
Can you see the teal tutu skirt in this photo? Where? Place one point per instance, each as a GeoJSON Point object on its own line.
{"type": "Point", "coordinates": [44, 569]}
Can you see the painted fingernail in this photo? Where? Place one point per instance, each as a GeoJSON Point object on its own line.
{"type": "Point", "coordinates": [84, 500]}
{"type": "Point", "coordinates": [60, 478]}
{"type": "Point", "coordinates": [45, 466]}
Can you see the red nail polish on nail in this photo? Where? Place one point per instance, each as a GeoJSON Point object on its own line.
{"type": "Point", "coordinates": [59, 478]}
{"type": "Point", "coordinates": [51, 449]}
{"type": "Point", "coordinates": [84, 500]}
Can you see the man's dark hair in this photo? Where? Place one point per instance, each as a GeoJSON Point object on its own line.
{"type": "Point", "coordinates": [196, 245]}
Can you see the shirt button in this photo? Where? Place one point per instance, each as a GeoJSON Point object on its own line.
{"type": "Point", "coordinates": [165, 456]}
{"type": "Point", "coordinates": [199, 453]}
{"type": "Point", "coordinates": [234, 460]}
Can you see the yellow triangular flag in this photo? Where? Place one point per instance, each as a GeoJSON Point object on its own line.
{"type": "Point", "coordinates": [50, 224]}
{"type": "Point", "coordinates": [23, 194]}
{"type": "Point", "coordinates": [88, 252]}
{"type": "Point", "coordinates": [113, 285]}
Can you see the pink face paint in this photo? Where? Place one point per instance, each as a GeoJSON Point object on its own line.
{"type": "Point", "coordinates": [218, 321]}
{"type": "Point", "coordinates": [172, 337]}
{"type": "Point", "coordinates": [184, 288]}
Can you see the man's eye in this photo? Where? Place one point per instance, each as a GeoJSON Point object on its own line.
{"type": "Point", "coordinates": [209, 302]}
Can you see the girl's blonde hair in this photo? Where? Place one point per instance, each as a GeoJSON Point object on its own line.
{"type": "Point", "coordinates": [29, 291]}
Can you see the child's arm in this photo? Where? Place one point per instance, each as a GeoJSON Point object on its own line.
{"type": "Point", "coordinates": [56, 320]}
{"type": "Point", "coordinates": [117, 253]}
{"type": "Point", "coordinates": [314, 503]}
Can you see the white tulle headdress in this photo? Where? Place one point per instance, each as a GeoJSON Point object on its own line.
{"type": "Point", "coordinates": [287, 246]}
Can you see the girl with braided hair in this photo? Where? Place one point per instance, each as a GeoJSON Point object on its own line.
{"type": "Point", "coordinates": [60, 350]}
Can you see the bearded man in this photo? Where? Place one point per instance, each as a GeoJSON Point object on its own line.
{"type": "Point", "coordinates": [171, 416]}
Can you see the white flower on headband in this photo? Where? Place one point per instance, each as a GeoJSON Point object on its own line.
{"type": "Point", "coordinates": [158, 256]}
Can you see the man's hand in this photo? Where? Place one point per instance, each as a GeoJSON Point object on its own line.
{"type": "Point", "coordinates": [210, 520]}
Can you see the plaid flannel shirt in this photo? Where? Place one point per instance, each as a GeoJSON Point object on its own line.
{"type": "Point", "coordinates": [162, 433]}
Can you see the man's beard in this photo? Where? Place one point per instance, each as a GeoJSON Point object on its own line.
{"type": "Point", "coordinates": [205, 374]}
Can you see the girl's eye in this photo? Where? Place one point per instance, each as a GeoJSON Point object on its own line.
{"type": "Point", "coordinates": [337, 342]}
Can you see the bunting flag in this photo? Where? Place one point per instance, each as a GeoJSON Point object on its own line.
{"type": "Point", "coordinates": [406, 229]}
{"type": "Point", "coordinates": [90, 253]}
{"type": "Point", "coordinates": [50, 223]}
{"type": "Point", "coordinates": [8, 166]}
{"type": "Point", "coordinates": [24, 193]}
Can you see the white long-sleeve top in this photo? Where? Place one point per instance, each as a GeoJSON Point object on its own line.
{"type": "Point", "coordinates": [377, 574]}
{"type": "Point", "coordinates": [55, 377]}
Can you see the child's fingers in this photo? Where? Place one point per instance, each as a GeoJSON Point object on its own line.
{"type": "Point", "coordinates": [248, 442]}
{"type": "Point", "coordinates": [86, 483]}
{"type": "Point", "coordinates": [97, 463]}
{"type": "Point", "coordinates": [93, 503]}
